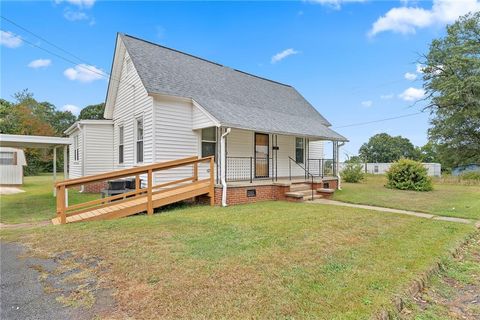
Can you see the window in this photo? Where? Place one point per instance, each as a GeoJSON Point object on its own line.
{"type": "Point", "coordinates": [139, 148]}
{"type": "Point", "coordinates": [8, 158]}
{"type": "Point", "coordinates": [299, 148]}
{"type": "Point", "coordinates": [120, 144]}
{"type": "Point", "coordinates": [76, 148]}
{"type": "Point", "coordinates": [209, 142]}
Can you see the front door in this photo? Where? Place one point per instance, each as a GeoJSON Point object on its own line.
{"type": "Point", "coordinates": [261, 155]}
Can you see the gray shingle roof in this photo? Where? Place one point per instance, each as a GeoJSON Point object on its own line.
{"type": "Point", "coordinates": [234, 98]}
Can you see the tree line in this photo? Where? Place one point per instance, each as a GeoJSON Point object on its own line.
{"type": "Point", "coordinates": [27, 116]}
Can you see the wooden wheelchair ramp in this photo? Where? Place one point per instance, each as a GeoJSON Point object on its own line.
{"type": "Point", "coordinates": [139, 200]}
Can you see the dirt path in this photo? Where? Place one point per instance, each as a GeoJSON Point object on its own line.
{"type": "Point", "coordinates": [25, 225]}
{"type": "Point", "coordinates": [455, 292]}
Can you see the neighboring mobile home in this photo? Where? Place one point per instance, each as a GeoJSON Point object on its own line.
{"type": "Point", "coordinates": [163, 104]}
{"type": "Point", "coordinates": [12, 162]}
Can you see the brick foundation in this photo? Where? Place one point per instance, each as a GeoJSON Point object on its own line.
{"type": "Point", "coordinates": [238, 194]}
{"type": "Point", "coordinates": [95, 187]}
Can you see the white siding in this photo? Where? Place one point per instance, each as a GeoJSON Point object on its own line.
{"type": "Point", "coordinates": [11, 175]}
{"type": "Point", "coordinates": [75, 168]}
{"type": "Point", "coordinates": [174, 138]}
{"type": "Point", "coordinates": [200, 119]}
{"type": "Point", "coordinates": [132, 102]}
{"type": "Point", "coordinates": [98, 148]}
{"type": "Point", "coordinates": [316, 149]}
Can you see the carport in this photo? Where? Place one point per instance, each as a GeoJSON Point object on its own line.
{"type": "Point", "coordinates": [40, 142]}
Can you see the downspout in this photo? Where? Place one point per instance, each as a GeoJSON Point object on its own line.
{"type": "Point", "coordinates": [337, 164]}
{"type": "Point", "coordinates": [223, 164]}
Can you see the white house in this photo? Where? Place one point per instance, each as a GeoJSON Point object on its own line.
{"type": "Point", "coordinates": [163, 104]}
{"type": "Point", "coordinates": [12, 161]}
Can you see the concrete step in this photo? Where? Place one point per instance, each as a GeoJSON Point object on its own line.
{"type": "Point", "coordinates": [299, 187]}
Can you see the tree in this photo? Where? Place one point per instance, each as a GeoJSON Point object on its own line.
{"type": "Point", "coordinates": [383, 147]}
{"type": "Point", "coordinates": [92, 112]}
{"type": "Point", "coordinates": [27, 116]}
{"type": "Point", "coordinates": [429, 153]}
{"type": "Point", "coordinates": [452, 83]}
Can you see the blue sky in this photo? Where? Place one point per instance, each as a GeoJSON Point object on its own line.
{"type": "Point", "coordinates": [350, 59]}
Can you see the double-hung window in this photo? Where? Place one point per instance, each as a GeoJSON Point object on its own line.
{"type": "Point", "coordinates": [209, 141]}
{"type": "Point", "coordinates": [120, 144]}
{"type": "Point", "coordinates": [76, 148]}
{"type": "Point", "coordinates": [299, 150]}
{"type": "Point", "coordinates": [139, 142]}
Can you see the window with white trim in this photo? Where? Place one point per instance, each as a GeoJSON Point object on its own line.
{"type": "Point", "coordinates": [121, 147]}
{"type": "Point", "coordinates": [76, 148]}
{"type": "Point", "coordinates": [299, 150]}
{"type": "Point", "coordinates": [209, 142]}
{"type": "Point", "coordinates": [139, 139]}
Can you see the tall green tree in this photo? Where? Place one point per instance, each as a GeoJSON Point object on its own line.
{"type": "Point", "coordinates": [452, 83]}
{"type": "Point", "coordinates": [92, 112]}
{"type": "Point", "coordinates": [383, 147]}
{"type": "Point", "coordinates": [27, 116]}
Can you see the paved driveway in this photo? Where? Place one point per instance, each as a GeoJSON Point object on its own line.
{"type": "Point", "coordinates": [22, 294]}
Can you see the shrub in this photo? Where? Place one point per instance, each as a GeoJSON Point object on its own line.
{"type": "Point", "coordinates": [406, 174]}
{"type": "Point", "coordinates": [353, 172]}
{"type": "Point", "coordinates": [471, 175]}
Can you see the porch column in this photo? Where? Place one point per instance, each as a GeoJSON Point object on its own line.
{"type": "Point", "coordinates": [65, 171]}
{"type": "Point", "coordinates": [54, 170]}
{"type": "Point", "coordinates": [334, 156]}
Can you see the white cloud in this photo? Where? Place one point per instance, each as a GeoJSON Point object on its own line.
{"type": "Point", "coordinates": [84, 73]}
{"type": "Point", "coordinates": [412, 94]}
{"type": "Point", "coordinates": [367, 103]}
{"type": "Point", "coordinates": [410, 76]}
{"type": "Point", "coordinates": [387, 96]}
{"type": "Point", "coordinates": [407, 20]}
{"type": "Point", "coordinates": [10, 40]}
{"type": "Point", "coordinates": [40, 63]}
{"type": "Point", "coordinates": [72, 15]}
{"type": "Point", "coordinates": [79, 3]}
{"type": "Point", "coordinates": [73, 109]}
{"type": "Point", "coordinates": [336, 4]}
{"type": "Point", "coordinates": [282, 55]}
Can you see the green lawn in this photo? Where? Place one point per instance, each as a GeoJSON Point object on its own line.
{"type": "Point", "coordinates": [268, 260]}
{"type": "Point", "coordinates": [37, 202]}
{"type": "Point", "coordinates": [453, 200]}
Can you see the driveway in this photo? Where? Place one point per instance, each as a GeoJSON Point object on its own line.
{"type": "Point", "coordinates": [26, 288]}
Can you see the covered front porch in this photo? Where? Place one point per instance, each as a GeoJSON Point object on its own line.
{"type": "Point", "coordinates": [253, 157]}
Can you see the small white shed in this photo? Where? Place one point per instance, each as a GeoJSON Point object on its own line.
{"type": "Point", "coordinates": [12, 161]}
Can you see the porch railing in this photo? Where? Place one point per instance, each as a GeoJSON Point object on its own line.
{"type": "Point", "coordinates": [320, 167]}
{"type": "Point", "coordinates": [250, 168]}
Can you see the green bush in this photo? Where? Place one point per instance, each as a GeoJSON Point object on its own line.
{"type": "Point", "coordinates": [353, 172]}
{"type": "Point", "coordinates": [406, 174]}
{"type": "Point", "coordinates": [471, 175]}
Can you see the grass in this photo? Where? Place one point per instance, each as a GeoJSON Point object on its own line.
{"type": "Point", "coordinates": [447, 199]}
{"type": "Point", "coordinates": [37, 202]}
{"type": "Point", "coordinates": [266, 260]}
